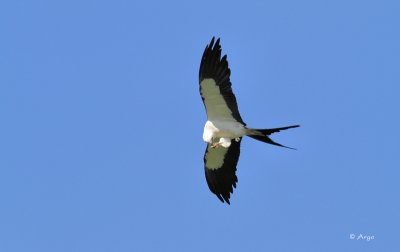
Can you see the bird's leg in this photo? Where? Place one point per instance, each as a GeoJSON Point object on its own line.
{"type": "Point", "coordinates": [215, 145]}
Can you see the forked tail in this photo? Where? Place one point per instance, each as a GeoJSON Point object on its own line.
{"type": "Point", "coordinates": [262, 135]}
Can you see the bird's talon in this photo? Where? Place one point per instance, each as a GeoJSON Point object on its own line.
{"type": "Point", "coordinates": [214, 145]}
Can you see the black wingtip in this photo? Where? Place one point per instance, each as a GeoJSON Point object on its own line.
{"type": "Point", "coordinates": [211, 43]}
{"type": "Point", "coordinates": [220, 198]}
{"type": "Point", "coordinates": [223, 199]}
{"type": "Point", "coordinates": [217, 42]}
{"type": "Point", "coordinates": [214, 44]}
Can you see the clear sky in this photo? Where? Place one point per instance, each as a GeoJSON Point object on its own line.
{"type": "Point", "coordinates": [101, 126]}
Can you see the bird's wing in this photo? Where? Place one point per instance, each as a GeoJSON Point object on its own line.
{"type": "Point", "coordinates": [215, 85]}
{"type": "Point", "coordinates": [220, 169]}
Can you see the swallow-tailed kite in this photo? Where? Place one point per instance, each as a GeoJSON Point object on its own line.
{"type": "Point", "coordinates": [224, 128]}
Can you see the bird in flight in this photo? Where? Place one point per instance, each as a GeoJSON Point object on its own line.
{"type": "Point", "coordinates": [224, 128]}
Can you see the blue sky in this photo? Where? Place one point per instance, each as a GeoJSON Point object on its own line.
{"type": "Point", "coordinates": [101, 126]}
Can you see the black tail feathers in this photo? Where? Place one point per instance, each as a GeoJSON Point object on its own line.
{"type": "Point", "coordinates": [264, 133]}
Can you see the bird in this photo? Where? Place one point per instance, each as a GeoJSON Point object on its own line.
{"type": "Point", "coordinates": [224, 128]}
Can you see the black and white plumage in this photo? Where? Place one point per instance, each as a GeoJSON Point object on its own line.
{"type": "Point", "coordinates": [224, 128]}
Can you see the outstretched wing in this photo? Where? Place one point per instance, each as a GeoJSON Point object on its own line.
{"type": "Point", "coordinates": [215, 85]}
{"type": "Point", "coordinates": [220, 169]}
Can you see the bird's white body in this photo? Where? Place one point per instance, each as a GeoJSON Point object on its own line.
{"type": "Point", "coordinates": [223, 131]}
